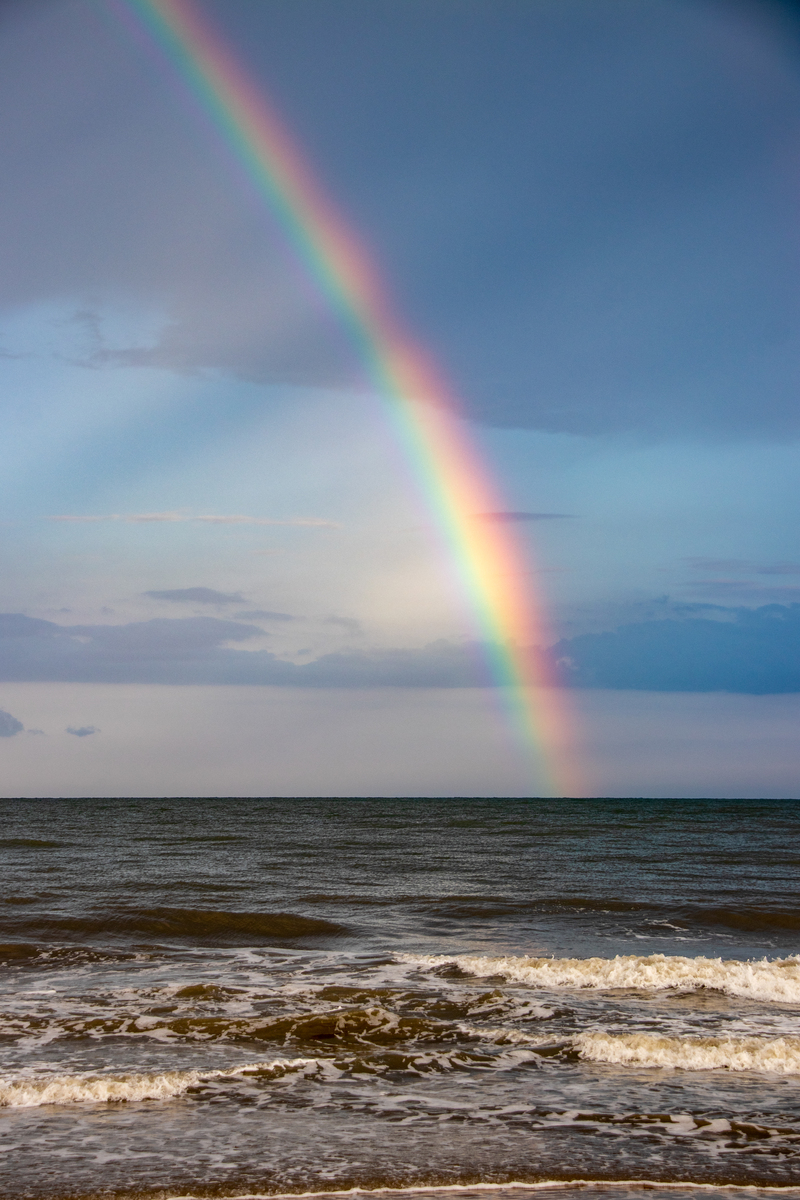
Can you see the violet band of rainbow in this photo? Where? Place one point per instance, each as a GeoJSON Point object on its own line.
{"type": "Point", "coordinates": [425, 417]}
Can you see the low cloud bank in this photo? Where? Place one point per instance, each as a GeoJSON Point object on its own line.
{"type": "Point", "coordinates": [192, 650]}
{"type": "Point", "coordinates": [755, 651]}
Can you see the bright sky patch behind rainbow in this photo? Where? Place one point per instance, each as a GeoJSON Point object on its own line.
{"type": "Point", "coordinates": [423, 412]}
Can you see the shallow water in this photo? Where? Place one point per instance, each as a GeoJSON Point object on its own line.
{"type": "Point", "coordinates": [230, 997]}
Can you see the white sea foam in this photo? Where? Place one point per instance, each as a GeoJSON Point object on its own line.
{"type": "Point", "coordinates": [33, 1091]}
{"type": "Point", "coordinates": [768, 979]}
{"type": "Point", "coordinates": [603, 1187]}
{"type": "Point", "coordinates": [780, 1056]}
{"type": "Point", "coordinates": [500, 1036]}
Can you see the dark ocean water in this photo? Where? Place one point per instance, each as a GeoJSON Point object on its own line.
{"type": "Point", "coordinates": [251, 997]}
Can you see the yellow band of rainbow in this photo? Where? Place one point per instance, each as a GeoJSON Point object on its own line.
{"type": "Point", "coordinates": [426, 417]}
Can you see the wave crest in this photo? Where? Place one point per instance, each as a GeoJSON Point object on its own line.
{"type": "Point", "coordinates": [769, 979]}
{"type": "Point", "coordinates": [102, 1089]}
{"type": "Point", "coordinates": [780, 1056]}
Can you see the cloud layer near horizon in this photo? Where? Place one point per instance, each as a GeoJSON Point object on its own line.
{"type": "Point", "coordinates": [754, 651]}
{"type": "Point", "coordinates": [734, 650]}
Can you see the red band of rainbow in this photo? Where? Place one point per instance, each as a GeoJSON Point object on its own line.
{"type": "Point", "coordinates": [424, 414]}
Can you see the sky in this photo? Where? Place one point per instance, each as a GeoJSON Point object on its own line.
{"type": "Point", "coordinates": [220, 574]}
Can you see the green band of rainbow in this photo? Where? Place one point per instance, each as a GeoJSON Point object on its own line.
{"type": "Point", "coordinates": [426, 418]}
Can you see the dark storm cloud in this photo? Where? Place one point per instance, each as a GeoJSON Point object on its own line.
{"type": "Point", "coordinates": [112, 188]}
{"type": "Point", "coordinates": [756, 651]}
{"type": "Point", "coordinates": [9, 725]}
{"type": "Point", "coordinates": [197, 595]}
{"type": "Point", "coordinates": [588, 210]}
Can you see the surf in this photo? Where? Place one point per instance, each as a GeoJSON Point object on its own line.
{"type": "Point", "coordinates": [35, 1091]}
{"type": "Point", "coordinates": [776, 980]}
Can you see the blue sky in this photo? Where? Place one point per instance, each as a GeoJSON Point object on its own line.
{"type": "Point", "coordinates": [587, 211]}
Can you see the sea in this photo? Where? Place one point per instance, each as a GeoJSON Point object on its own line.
{"type": "Point", "coordinates": [402, 997]}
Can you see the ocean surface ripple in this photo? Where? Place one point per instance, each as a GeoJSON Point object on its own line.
{"type": "Point", "coordinates": [247, 997]}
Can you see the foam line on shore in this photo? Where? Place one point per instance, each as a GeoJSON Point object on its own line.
{"type": "Point", "coordinates": [748, 1189]}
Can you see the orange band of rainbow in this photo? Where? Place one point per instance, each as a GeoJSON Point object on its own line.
{"type": "Point", "coordinates": [426, 417]}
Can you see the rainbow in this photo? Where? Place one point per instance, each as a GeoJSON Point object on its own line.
{"type": "Point", "coordinates": [426, 417]}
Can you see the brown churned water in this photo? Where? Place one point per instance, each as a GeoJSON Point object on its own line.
{"type": "Point", "coordinates": [492, 997]}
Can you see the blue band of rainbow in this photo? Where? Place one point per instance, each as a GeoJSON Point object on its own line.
{"type": "Point", "coordinates": [425, 416]}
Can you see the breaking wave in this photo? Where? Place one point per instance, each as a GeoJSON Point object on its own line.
{"type": "Point", "coordinates": [768, 979]}
{"type": "Point", "coordinates": [780, 1056]}
{"type": "Point", "coordinates": [102, 1089]}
